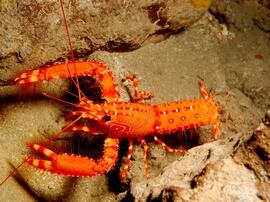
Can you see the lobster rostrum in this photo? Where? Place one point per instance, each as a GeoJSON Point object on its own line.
{"type": "Point", "coordinates": [118, 119]}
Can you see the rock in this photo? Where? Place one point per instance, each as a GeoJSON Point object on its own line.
{"type": "Point", "coordinates": [32, 33]}
{"type": "Point", "coordinates": [255, 155]}
{"type": "Point", "coordinates": [212, 170]}
{"type": "Point", "coordinates": [247, 19]}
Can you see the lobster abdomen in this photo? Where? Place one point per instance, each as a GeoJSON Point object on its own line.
{"type": "Point", "coordinates": [182, 115]}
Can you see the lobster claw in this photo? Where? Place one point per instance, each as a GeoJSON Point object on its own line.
{"type": "Point", "coordinates": [73, 165]}
{"type": "Point", "coordinates": [43, 164]}
{"type": "Point", "coordinates": [74, 69]}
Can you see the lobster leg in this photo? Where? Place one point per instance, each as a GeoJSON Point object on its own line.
{"type": "Point", "coordinates": [73, 165]}
{"type": "Point", "coordinates": [143, 95]}
{"type": "Point", "coordinates": [138, 96]}
{"type": "Point", "coordinates": [123, 172]}
{"type": "Point", "coordinates": [215, 131]}
{"type": "Point", "coordinates": [166, 147]}
{"type": "Point", "coordinates": [134, 79]}
{"type": "Point", "coordinates": [145, 151]}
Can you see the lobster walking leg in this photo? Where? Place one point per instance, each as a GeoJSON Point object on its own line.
{"type": "Point", "coordinates": [145, 151]}
{"type": "Point", "coordinates": [166, 147]}
{"type": "Point", "coordinates": [123, 172]}
{"type": "Point", "coordinates": [138, 96]}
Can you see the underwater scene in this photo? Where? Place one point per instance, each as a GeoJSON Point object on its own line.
{"type": "Point", "coordinates": [148, 100]}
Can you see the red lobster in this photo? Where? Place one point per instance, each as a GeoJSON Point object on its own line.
{"type": "Point", "coordinates": [115, 118]}
{"type": "Point", "coordinates": [119, 119]}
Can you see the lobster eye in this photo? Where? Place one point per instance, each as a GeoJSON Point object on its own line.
{"type": "Point", "coordinates": [102, 100]}
{"type": "Point", "coordinates": [106, 118]}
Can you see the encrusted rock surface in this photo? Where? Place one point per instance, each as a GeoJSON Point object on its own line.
{"type": "Point", "coordinates": [214, 175]}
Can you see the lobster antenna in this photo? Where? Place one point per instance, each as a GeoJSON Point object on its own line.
{"type": "Point", "coordinates": [71, 50]}
{"type": "Point", "coordinates": [60, 100]}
